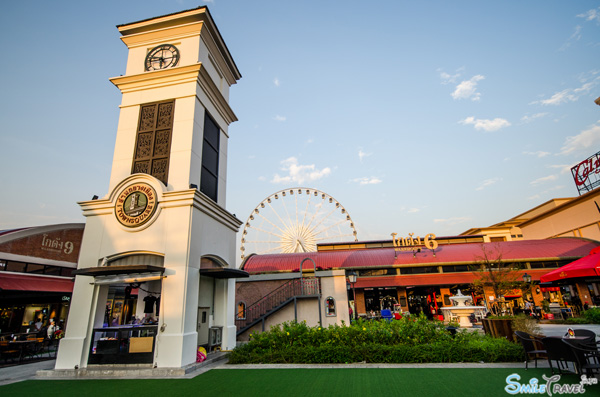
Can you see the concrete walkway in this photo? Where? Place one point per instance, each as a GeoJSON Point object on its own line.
{"type": "Point", "coordinates": [19, 373]}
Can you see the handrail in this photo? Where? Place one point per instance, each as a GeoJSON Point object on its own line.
{"type": "Point", "coordinates": [271, 301]}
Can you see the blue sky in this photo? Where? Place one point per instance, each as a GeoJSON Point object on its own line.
{"type": "Point", "coordinates": [419, 117]}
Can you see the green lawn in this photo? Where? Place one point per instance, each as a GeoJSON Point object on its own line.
{"type": "Point", "coordinates": [457, 382]}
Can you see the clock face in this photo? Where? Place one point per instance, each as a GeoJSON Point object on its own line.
{"type": "Point", "coordinates": [162, 57]}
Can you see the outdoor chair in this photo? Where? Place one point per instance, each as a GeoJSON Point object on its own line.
{"type": "Point", "coordinates": [561, 353]}
{"type": "Point", "coordinates": [529, 344]}
{"type": "Point", "coordinates": [46, 344]}
{"type": "Point", "coordinates": [33, 349]}
{"type": "Point", "coordinates": [8, 352]}
{"type": "Point", "coordinates": [588, 359]}
{"type": "Point", "coordinates": [590, 335]}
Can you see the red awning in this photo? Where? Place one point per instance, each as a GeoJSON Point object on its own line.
{"type": "Point", "coordinates": [21, 282]}
{"type": "Point", "coordinates": [588, 266]}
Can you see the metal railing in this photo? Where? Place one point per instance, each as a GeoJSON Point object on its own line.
{"type": "Point", "coordinates": [272, 301]}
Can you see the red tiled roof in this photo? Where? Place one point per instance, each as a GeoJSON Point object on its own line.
{"type": "Point", "coordinates": [523, 250]}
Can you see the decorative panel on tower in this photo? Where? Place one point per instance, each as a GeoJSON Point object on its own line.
{"type": "Point", "coordinates": [153, 142]}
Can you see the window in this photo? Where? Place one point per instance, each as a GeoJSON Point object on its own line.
{"type": "Point", "coordinates": [330, 307]}
{"type": "Point", "coordinates": [153, 141]}
{"type": "Point", "coordinates": [210, 158]}
{"type": "Point", "coordinates": [418, 270]}
{"type": "Point", "coordinates": [455, 268]}
{"type": "Point", "coordinates": [241, 311]}
{"type": "Point", "coordinates": [377, 272]}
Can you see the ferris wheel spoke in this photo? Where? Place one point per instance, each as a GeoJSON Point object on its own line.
{"type": "Point", "coordinates": [323, 219]}
{"type": "Point", "coordinates": [277, 214]}
{"type": "Point", "coordinates": [278, 249]}
{"type": "Point", "coordinates": [286, 210]}
{"type": "Point", "coordinates": [337, 235]}
{"type": "Point", "coordinates": [269, 221]}
{"type": "Point", "coordinates": [329, 227]}
{"type": "Point", "coordinates": [267, 232]}
{"type": "Point", "coordinates": [314, 216]}
{"type": "Point", "coordinates": [262, 241]}
{"type": "Point", "coordinates": [296, 204]}
{"type": "Point", "coordinates": [306, 209]}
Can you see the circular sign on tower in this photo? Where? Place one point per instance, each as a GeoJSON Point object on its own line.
{"type": "Point", "coordinates": [135, 205]}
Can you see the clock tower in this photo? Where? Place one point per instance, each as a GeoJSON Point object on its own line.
{"type": "Point", "coordinates": [156, 272]}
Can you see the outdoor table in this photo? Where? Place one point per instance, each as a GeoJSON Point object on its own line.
{"type": "Point", "coordinates": [22, 345]}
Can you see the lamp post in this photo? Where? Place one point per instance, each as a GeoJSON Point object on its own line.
{"type": "Point", "coordinates": [527, 280]}
{"type": "Point", "coordinates": [352, 280]}
{"type": "Point", "coordinates": [528, 306]}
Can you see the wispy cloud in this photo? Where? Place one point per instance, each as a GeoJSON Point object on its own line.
{"type": "Point", "coordinates": [538, 154]}
{"type": "Point", "coordinates": [362, 155]}
{"type": "Point", "coordinates": [487, 183]}
{"type": "Point", "coordinates": [583, 142]}
{"type": "Point", "coordinates": [485, 124]}
{"type": "Point", "coordinates": [570, 94]}
{"type": "Point", "coordinates": [563, 168]}
{"type": "Point", "coordinates": [543, 180]}
{"type": "Point", "coordinates": [367, 180]}
{"type": "Point", "coordinates": [279, 118]}
{"type": "Point", "coordinates": [298, 173]}
{"type": "Point", "coordinates": [413, 210]}
{"type": "Point", "coordinates": [450, 78]}
{"type": "Point", "coordinates": [467, 89]}
{"type": "Point", "coordinates": [529, 119]}
{"type": "Point", "coordinates": [276, 82]}
{"type": "Point", "coordinates": [591, 15]}
{"type": "Point", "coordinates": [575, 36]}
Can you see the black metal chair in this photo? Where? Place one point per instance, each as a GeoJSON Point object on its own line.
{"type": "Point", "coordinates": [588, 358]}
{"type": "Point", "coordinates": [8, 352]}
{"type": "Point", "coordinates": [561, 353]}
{"type": "Point", "coordinates": [589, 335]}
{"type": "Point", "coordinates": [529, 345]}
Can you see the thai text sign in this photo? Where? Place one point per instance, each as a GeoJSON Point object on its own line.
{"type": "Point", "coordinates": [410, 241]}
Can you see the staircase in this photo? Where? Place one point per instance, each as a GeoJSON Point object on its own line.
{"type": "Point", "coordinates": [277, 299]}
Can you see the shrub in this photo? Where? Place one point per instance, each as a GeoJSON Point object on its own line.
{"type": "Point", "coordinates": [409, 340]}
{"type": "Point", "coordinates": [524, 323]}
{"type": "Point", "coordinates": [592, 315]}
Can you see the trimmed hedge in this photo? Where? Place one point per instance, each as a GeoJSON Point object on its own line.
{"type": "Point", "coordinates": [410, 340]}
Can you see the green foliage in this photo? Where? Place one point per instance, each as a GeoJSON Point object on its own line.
{"type": "Point", "coordinates": [524, 323]}
{"type": "Point", "coordinates": [576, 320]}
{"type": "Point", "coordinates": [592, 315]}
{"type": "Point", "coordinates": [409, 340]}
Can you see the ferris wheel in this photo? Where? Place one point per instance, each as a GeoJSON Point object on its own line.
{"type": "Point", "coordinates": [295, 220]}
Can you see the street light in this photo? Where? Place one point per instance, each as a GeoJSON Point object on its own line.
{"type": "Point", "coordinates": [527, 278]}
{"type": "Point", "coordinates": [352, 280]}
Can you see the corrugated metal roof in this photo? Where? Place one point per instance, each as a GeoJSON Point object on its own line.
{"type": "Point", "coordinates": [523, 250]}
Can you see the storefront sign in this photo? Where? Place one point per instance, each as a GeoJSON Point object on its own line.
{"type": "Point", "coordinates": [55, 245]}
{"type": "Point", "coordinates": [409, 242]}
{"type": "Point", "coordinates": [136, 205]}
{"type": "Point", "coordinates": [586, 174]}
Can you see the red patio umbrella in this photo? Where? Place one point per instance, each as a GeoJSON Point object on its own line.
{"type": "Point", "coordinates": [588, 266]}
